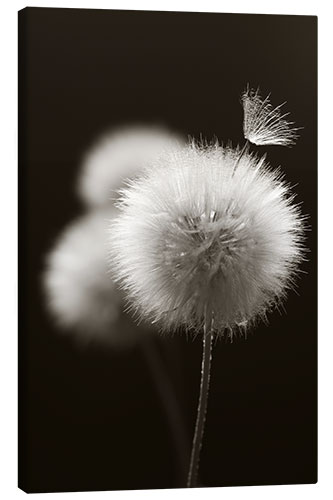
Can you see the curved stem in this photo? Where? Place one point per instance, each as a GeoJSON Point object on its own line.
{"type": "Point", "coordinates": [170, 406]}
{"type": "Point", "coordinates": [202, 407]}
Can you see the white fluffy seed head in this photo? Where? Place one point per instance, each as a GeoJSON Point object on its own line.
{"type": "Point", "coordinates": [196, 236]}
{"type": "Point", "coordinates": [81, 296]}
{"type": "Point", "coordinates": [265, 125]}
{"type": "Point", "coordinates": [117, 156]}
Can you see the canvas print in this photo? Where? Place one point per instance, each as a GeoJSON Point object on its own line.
{"type": "Point", "coordinates": [167, 250]}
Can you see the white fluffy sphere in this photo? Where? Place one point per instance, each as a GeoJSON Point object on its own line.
{"type": "Point", "coordinates": [81, 295]}
{"type": "Point", "coordinates": [198, 236]}
{"type": "Point", "coordinates": [117, 156]}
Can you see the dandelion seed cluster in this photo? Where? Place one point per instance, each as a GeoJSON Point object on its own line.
{"type": "Point", "coordinates": [196, 236]}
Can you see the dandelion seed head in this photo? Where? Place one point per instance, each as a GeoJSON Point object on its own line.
{"type": "Point", "coordinates": [117, 156]}
{"type": "Point", "coordinates": [265, 125]}
{"type": "Point", "coordinates": [195, 235]}
{"type": "Point", "coordinates": [81, 296]}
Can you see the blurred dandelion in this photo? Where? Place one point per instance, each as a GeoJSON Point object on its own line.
{"type": "Point", "coordinates": [80, 293]}
{"type": "Point", "coordinates": [117, 156]}
{"type": "Point", "coordinates": [264, 125]}
{"type": "Point", "coordinates": [81, 297]}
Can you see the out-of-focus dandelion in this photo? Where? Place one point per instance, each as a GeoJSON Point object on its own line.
{"type": "Point", "coordinates": [80, 294]}
{"type": "Point", "coordinates": [117, 156]}
{"type": "Point", "coordinates": [264, 125]}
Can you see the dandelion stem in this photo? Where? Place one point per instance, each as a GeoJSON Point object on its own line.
{"type": "Point", "coordinates": [202, 406]}
{"type": "Point", "coordinates": [171, 407]}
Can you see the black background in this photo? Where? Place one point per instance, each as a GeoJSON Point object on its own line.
{"type": "Point", "coordinates": [90, 419]}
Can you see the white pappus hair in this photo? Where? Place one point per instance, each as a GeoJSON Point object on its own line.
{"type": "Point", "coordinates": [196, 235]}
{"type": "Point", "coordinates": [263, 124]}
{"type": "Point", "coordinates": [81, 296]}
{"type": "Point", "coordinates": [117, 156]}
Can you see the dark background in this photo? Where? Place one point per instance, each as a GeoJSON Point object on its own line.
{"type": "Point", "coordinates": [90, 419]}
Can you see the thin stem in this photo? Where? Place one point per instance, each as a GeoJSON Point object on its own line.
{"type": "Point", "coordinates": [171, 407]}
{"type": "Point", "coordinates": [202, 407]}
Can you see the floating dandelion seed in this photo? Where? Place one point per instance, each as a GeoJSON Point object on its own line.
{"type": "Point", "coordinates": [196, 238]}
{"type": "Point", "coordinates": [265, 125]}
{"type": "Point", "coordinates": [117, 156]}
{"type": "Point", "coordinates": [80, 294]}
